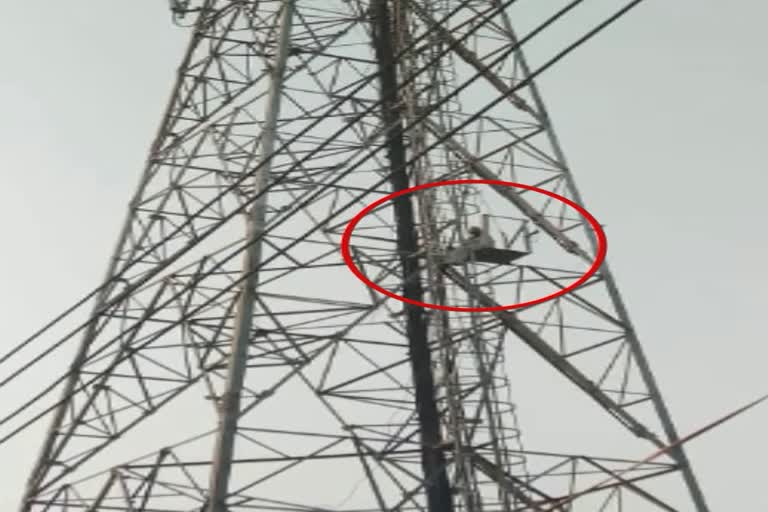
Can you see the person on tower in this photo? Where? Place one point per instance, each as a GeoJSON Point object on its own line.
{"type": "Point", "coordinates": [478, 239]}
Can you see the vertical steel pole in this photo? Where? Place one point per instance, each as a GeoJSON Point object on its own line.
{"type": "Point", "coordinates": [229, 405]}
{"type": "Point", "coordinates": [433, 460]}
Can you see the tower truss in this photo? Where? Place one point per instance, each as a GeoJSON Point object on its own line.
{"type": "Point", "coordinates": [232, 362]}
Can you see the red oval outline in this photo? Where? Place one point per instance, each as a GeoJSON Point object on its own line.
{"type": "Point", "coordinates": [602, 245]}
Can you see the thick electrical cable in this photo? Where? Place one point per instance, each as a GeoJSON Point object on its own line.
{"type": "Point", "coordinates": [533, 75]}
{"type": "Point", "coordinates": [245, 205]}
{"type": "Point", "coordinates": [372, 188]}
{"type": "Point", "coordinates": [234, 186]}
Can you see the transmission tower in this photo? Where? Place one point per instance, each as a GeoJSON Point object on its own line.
{"type": "Point", "coordinates": [232, 361]}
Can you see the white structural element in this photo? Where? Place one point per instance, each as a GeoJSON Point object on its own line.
{"type": "Point", "coordinates": [478, 239]}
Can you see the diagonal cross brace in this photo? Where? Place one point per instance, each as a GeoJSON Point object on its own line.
{"type": "Point", "coordinates": [509, 483]}
{"type": "Point", "coordinates": [534, 341]}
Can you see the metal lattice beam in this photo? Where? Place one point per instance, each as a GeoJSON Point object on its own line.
{"type": "Point", "coordinates": [227, 299]}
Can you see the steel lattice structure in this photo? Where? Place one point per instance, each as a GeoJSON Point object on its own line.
{"type": "Point", "coordinates": [233, 362]}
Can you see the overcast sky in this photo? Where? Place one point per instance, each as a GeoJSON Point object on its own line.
{"type": "Point", "coordinates": [662, 117]}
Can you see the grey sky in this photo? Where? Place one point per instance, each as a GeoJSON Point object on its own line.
{"type": "Point", "coordinates": [662, 118]}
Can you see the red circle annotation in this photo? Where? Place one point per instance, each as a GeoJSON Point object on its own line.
{"type": "Point", "coordinates": [595, 265]}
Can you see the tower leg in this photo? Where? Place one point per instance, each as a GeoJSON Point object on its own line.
{"type": "Point", "coordinates": [229, 404]}
{"type": "Point", "coordinates": [678, 453]}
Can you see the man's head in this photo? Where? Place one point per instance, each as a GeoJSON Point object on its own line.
{"type": "Point", "coordinates": [475, 231]}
